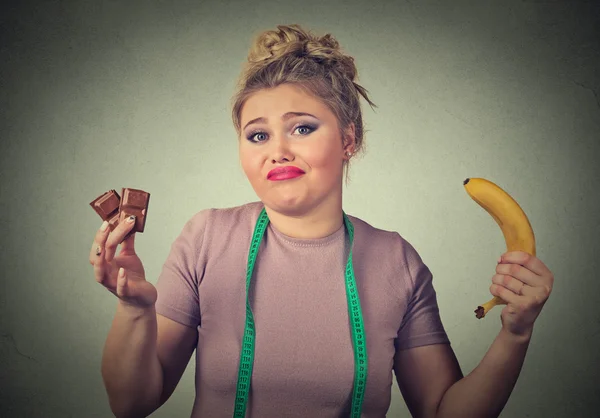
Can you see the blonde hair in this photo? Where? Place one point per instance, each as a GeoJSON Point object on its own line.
{"type": "Point", "coordinates": [317, 65]}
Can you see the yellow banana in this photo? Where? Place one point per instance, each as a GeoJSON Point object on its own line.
{"type": "Point", "coordinates": [513, 222]}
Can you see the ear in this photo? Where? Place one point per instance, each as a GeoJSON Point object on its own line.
{"type": "Point", "coordinates": [349, 139]}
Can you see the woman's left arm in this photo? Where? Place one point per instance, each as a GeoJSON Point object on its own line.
{"type": "Point", "coordinates": [525, 283]}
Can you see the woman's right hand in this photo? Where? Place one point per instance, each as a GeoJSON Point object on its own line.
{"type": "Point", "coordinates": [124, 274]}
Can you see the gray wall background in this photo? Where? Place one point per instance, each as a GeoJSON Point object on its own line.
{"type": "Point", "coordinates": [100, 94]}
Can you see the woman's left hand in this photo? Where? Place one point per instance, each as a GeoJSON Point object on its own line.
{"type": "Point", "coordinates": [524, 283]}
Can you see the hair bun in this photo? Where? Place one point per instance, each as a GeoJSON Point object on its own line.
{"type": "Point", "coordinates": [272, 45]}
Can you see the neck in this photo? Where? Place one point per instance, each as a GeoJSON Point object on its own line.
{"type": "Point", "coordinates": [320, 222]}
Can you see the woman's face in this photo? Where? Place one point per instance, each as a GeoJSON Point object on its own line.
{"type": "Point", "coordinates": [281, 139]}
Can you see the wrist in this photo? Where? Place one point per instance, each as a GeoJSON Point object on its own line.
{"type": "Point", "coordinates": [520, 338]}
{"type": "Point", "coordinates": [134, 311]}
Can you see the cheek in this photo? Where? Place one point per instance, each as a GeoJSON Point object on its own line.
{"type": "Point", "coordinates": [324, 159]}
{"type": "Point", "coordinates": [250, 163]}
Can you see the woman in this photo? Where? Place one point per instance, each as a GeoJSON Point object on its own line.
{"type": "Point", "coordinates": [316, 307]}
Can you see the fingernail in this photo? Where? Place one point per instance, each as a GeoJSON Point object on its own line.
{"type": "Point", "coordinates": [104, 226]}
{"type": "Point", "coordinates": [98, 250]}
{"type": "Point", "coordinates": [499, 260]}
{"type": "Point", "coordinates": [131, 218]}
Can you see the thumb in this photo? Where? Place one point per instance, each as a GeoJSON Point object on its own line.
{"type": "Point", "coordinates": [121, 283]}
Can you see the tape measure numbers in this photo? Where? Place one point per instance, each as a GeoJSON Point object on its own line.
{"type": "Point", "coordinates": [354, 314]}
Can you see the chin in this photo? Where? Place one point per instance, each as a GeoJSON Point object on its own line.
{"type": "Point", "coordinates": [290, 206]}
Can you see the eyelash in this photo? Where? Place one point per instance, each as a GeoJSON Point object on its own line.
{"type": "Point", "coordinates": [254, 133]}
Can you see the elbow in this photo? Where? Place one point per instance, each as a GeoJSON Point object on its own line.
{"type": "Point", "coordinates": [121, 409]}
{"type": "Point", "coordinates": [125, 405]}
{"type": "Point", "coordinates": [134, 400]}
{"type": "Point", "coordinates": [125, 410]}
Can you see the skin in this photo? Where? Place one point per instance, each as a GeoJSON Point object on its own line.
{"type": "Point", "coordinates": [309, 206]}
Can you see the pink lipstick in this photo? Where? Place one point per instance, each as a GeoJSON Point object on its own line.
{"type": "Point", "coordinates": [284, 173]}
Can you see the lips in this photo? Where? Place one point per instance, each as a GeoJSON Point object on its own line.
{"type": "Point", "coordinates": [284, 173]}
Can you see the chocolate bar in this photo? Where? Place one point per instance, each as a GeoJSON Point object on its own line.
{"type": "Point", "coordinates": [134, 202]}
{"type": "Point", "coordinates": [107, 206]}
{"type": "Point", "coordinates": [114, 209]}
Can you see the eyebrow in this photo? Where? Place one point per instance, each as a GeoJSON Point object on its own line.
{"type": "Point", "coordinates": [284, 117]}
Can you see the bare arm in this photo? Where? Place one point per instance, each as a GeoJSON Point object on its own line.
{"type": "Point", "coordinates": [424, 374]}
{"type": "Point", "coordinates": [144, 358]}
{"type": "Point", "coordinates": [433, 385]}
{"type": "Point", "coordinates": [485, 391]}
{"type": "Point", "coordinates": [176, 343]}
{"type": "Point", "coordinates": [131, 370]}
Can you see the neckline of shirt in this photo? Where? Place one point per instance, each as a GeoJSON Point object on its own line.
{"type": "Point", "coordinates": [309, 242]}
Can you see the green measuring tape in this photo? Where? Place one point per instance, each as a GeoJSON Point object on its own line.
{"type": "Point", "coordinates": [354, 313]}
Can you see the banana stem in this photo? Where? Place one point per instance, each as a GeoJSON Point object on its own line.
{"type": "Point", "coordinates": [485, 308]}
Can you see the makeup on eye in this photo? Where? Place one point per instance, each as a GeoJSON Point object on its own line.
{"type": "Point", "coordinates": [255, 132]}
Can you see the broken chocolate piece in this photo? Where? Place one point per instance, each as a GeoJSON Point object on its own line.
{"type": "Point", "coordinates": [107, 206]}
{"type": "Point", "coordinates": [134, 202]}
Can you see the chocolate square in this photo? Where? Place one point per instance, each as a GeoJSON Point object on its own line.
{"type": "Point", "coordinates": [134, 202]}
{"type": "Point", "coordinates": [107, 206]}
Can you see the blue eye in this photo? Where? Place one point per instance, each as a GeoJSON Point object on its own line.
{"type": "Point", "coordinates": [252, 134]}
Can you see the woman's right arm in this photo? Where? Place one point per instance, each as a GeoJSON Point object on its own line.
{"type": "Point", "coordinates": [145, 354]}
{"type": "Point", "coordinates": [144, 357]}
{"type": "Point", "coordinates": [131, 370]}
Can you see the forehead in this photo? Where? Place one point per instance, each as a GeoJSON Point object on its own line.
{"type": "Point", "coordinates": [279, 100]}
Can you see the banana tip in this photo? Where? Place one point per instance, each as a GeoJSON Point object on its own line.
{"type": "Point", "coordinates": [466, 181]}
{"type": "Point", "coordinates": [479, 312]}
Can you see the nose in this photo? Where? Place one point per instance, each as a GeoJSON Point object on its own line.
{"type": "Point", "coordinates": [280, 150]}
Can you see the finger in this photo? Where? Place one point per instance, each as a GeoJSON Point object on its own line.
{"type": "Point", "coordinates": [526, 260]}
{"type": "Point", "coordinates": [101, 268]}
{"type": "Point", "coordinates": [121, 282]}
{"type": "Point", "coordinates": [509, 282]}
{"type": "Point", "coordinates": [128, 245]}
{"type": "Point", "coordinates": [504, 293]}
{"type": "Point", "coordinates": [519, 272]}
{"type": "Point", "coordinates": [99, 241]}
{"type": "Point", "coordinates": [116, 236]}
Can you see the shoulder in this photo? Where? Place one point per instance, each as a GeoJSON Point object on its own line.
{"type": "Point", "coordinates": [218, 227]}
{"type": "Point", "coordinates": [225, 217]}
{"type": "Point", "coordinates": [379, 238]}
{"type": "Point", "coordinates": [370, 232]}
{"type": "Point", "coordinates": [214, 230]}
{"type": "Point", "coordinates": [385, 244]}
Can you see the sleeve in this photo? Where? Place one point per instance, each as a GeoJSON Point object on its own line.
{"type": "Point", "coordinates": [421, 325]}
{"type": "Point", "coordinates": [177, 284]}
